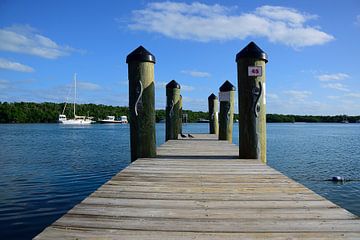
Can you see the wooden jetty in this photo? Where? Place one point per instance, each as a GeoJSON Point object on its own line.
{"type": "Point", "coordinates": [198, 189]}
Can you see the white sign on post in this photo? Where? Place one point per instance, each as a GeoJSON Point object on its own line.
{"type": "Point", "coordinates": [254, 71]}
{"type": "Point", "coordinates": [224, 96]}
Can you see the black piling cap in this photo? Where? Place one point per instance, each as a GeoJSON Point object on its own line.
{"type": "Point", "coordinates": [140, 55]}
{"type": "Point", "coordinates": [173, 84]}
{"type": "Point", "coordinates": [227, 87]}
{"type": "Point", "coordinates": [252, 51]}
{"type": "Point", "coordinates": [212, 97]}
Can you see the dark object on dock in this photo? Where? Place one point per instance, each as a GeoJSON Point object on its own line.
{"type": "Point", "coordinates": [190, 136]}
{"type": "Point", "coordinates": [172, 110]}
{"type": "Point", "coordinates": [141, 103]}
{"type": "Point", "coordinates": [251, 62]}
{"type": "Point", "coordinates": [182, 135]}
{"type": "Point", "coordinates": [338, 179]}
{"type": "Point", "coordinates": [226, 115]}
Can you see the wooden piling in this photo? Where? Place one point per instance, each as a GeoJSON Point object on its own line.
{"type": "Point", "coordinates": [213, 103]}
{"type": "Point", "coordinates": [172, 110]}
{"type": "Point", "coordinates": [226, 116]}
{"type": "Point", "coordinates": [180, 114]}
{"type": "Point", "coordinates": [141, 103]}
{"type": "Point", "coordinates": [252, 102]}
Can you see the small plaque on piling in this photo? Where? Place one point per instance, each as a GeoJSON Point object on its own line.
{"type": "Point", "coordinates": [224, 96]}
{"type": "Point", "coordinates": [254, 71]}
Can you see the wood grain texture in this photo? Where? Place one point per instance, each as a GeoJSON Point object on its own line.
{"type": "Point", "coordinates": [226, 118]}
{"type": "Point", "coordinates": [172, 112]}
{"type": "Point", "coordinates": [142, 124]}
{"type": "Point", "coordinates": [252, 129]}
{"type": "Point", "coordinates": [213, 103]}
{"type": "Point", "coordinates": [198, 189]}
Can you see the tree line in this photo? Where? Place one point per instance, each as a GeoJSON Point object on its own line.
{"type": "Point", "coordinates": [311, 118]}
{"type": "Point", "coordinates": [47, 112]}
{"type": "Point", "coordinates": [30, 112]}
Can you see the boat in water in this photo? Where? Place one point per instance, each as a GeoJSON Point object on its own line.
{"type": "Point", "coordinates": [345, 119]}
{"type": "Point", "coordinates": [112, 119]}
{"type": "Point", "coordinates": [202, 120]}
{"type": "Point", "coordinates": [77, 120]}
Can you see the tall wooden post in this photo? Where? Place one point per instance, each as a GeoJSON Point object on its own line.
{"type": "Point", "coordinates": [213, 103]}
{"type": "Point", "coordinates": [252, 103]}
{"type": "Point", "coordinates": [180, 114]}
{"type": "Point", "coordinates": [141, 103]}
{"type": "Point", "coordinates": [172, 110]}
{"type": "Point", "coordinates": [226, 116]}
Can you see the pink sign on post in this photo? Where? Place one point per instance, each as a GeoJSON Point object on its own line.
{"type": "Point", "coordinates": [254, 71]}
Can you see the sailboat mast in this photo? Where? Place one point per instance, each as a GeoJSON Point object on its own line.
{"type": "Point", "coordinates": [74, 94]}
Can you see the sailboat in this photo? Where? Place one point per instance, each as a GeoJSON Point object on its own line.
{"type": "Point", "coordinates": [77, 120]}
{"type": "Point", "coordinates": [345, 120]}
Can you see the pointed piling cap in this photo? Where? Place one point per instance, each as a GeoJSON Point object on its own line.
{"type": "Point", "coordinates": [173, 84]}
{"type": "Point", "coordinates": [227, 87]}
{"type": "Point", "coordinates": [252, 51]}
{"type": "Point", "coordinates": [140, 55]}
{"type": "Point", "coordinates": [212, 97]}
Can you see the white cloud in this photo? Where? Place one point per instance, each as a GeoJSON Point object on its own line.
{"type": "Point", "coordinates": [272, 96]}
{"type": "Point", "coordinates": [298, 95]}
{"type": "Point", "coordinates": [196, 104]}
{"type": "Point", "coordinates": [187, 88]}
{"type": "Point", "coordinates": [333, 97]}
{"type": "Point", "coordinates": [125, 82]}
{"type": "Point", "coordinates": [290, 15]}
{"type": "Point", "coordinates": [201, 22]}
{"type": "Point", "coordinates": [307, 107]}
{"type": "Point", "coordinates": [14, 66]}
{"type": "Point", "coordinates": [4, 84]}
{"type": "Point", "coordinates": [160, 84]}
{"type": "Point", "coordinates": [332, 77]}
{"type": "Point", "coordinates": [183, 87]}
{"type": "Point", "coordinates": [195, 73]}
{"type": "Point", "coordinates": [25, 39]}
{"type": "Point", "coordinates": [353, 95]}
{"type": "Point", "coordinates": [336, 86]}
{"type": "Point", "coordinates": [88, 86]}
{"type": "Point", "coordinates": [357, 20]}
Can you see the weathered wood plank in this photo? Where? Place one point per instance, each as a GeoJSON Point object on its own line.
{"type": "Point", "coordinates": [197, 189]}
{"type": "Point", "coordinates": [209, 196]}
{"type": "Point", "coordinates": [208, 225]}
{"type": "Point", "coordinates": [210, 213]}
{"type": "Point", "coordinates": [96, 233]}
{"type": "Point", "coordinates": [192, 204]}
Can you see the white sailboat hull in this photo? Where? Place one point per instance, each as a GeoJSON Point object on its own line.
{"type": "Point", "coordinates": [76, 121]}
{"type": "Point", "coordinates": [112, 121]}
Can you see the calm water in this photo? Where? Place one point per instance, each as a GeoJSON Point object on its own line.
{"type": "Point", "coordinates": [47, 168]}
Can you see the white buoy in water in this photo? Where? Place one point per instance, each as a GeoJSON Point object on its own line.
{"type": "Point", "coordinates": [338, 179]}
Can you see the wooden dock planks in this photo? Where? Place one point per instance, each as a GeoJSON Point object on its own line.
{"type": "Point", "coordinates": [197, 189]}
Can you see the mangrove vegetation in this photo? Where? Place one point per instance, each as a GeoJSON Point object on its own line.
{"type": "Point", "coordinates": [47, 112]}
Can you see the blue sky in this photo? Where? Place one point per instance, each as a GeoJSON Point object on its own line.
{"type": "Point", "coordinates": [313, 49]}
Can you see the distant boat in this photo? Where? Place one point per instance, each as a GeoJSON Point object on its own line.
{"type": "Point", "coordinates": [202, 120]}
{"type": "Point", "coordinates": [111, 119]}
{"type": "Point", "coordinates": [345, 120]}
{"type": "Point", "coordinates": [77, 120]}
